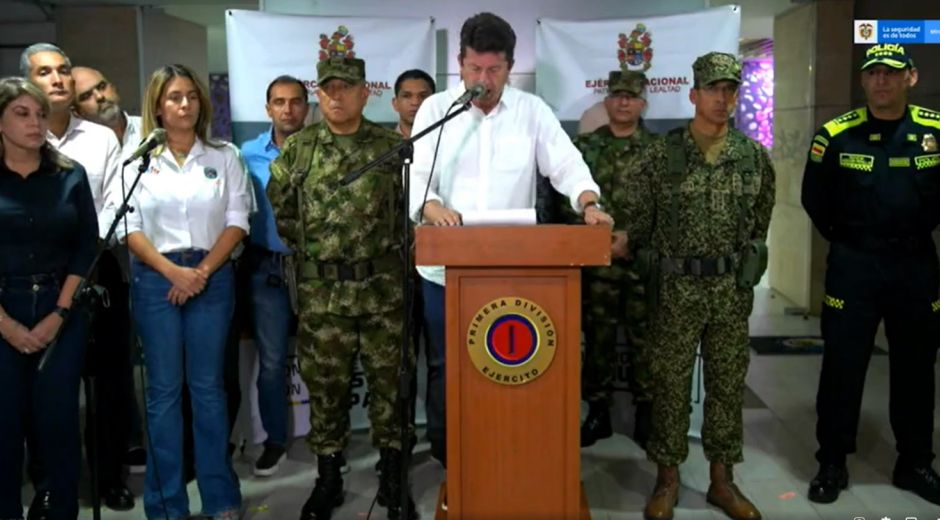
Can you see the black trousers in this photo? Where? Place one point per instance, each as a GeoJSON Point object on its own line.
{"type": "Point", "coordinates": [862, 288]}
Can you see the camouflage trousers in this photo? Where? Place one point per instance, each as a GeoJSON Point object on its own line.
{"type": "Point", "coordinates": [327, 349]}
{"type": "Point", "coordinates": [607, 305]}
{"type": "Point", "coordinates": [712, 311]}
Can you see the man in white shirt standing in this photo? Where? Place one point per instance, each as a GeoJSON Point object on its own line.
{"type": "Point", "coordinates": [97, 100]}
{"type": "Point", "coordinates": [96, 148]}
{"type": "Point", "coordinates": [488, 160]}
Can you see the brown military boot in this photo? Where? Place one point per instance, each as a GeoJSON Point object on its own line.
{"type": "Point", "coordinates": [665, 494]}
{"type": "Point", "coordinates": [725, 495]}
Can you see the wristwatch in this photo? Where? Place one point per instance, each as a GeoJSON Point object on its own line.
{"type": "Point", "coordinates": [590, 203]}
{"type": "Point", "coordinates": [63, 312]}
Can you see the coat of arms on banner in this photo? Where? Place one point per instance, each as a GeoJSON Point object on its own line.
{"type": "Point", "coordinates": [635, 52]}
{"type": "Point", "coordinates": [866, 31]}
{"type": "Point", "coordinates": [338, 45]}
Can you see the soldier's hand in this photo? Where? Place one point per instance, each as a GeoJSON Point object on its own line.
{"type": "Point", "coordinates": [437, 215]}
{"type": "Point", "coordinates": [594, 216]}
{"type": "Point", "coordinates": [620, 247]}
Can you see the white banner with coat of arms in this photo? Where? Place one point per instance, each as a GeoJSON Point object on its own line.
{"type": "Point", "coordinates": [574, 59]}
{"type": "Point", "coordinates": [263, 46]}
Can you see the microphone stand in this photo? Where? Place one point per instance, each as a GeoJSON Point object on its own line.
{"type": "Point", "coordinates": [405, 150]}
{"type": "Point", "coordinates": [86, 299]}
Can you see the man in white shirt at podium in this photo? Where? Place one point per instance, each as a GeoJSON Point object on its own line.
{"type": "Point", "coordinates": [488, 160]}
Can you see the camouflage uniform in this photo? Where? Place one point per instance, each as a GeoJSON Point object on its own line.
{"type": "Point", "coordinates": [350, 276]}
{"type": "Point", "coordinates": [720, 206]}
{"type": "Point", "coordinates": [614, 295]}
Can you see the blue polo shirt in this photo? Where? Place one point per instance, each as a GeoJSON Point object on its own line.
{"type": "Point", "coordinates": [258, 154]}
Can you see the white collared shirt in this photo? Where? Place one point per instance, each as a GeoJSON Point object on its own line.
{"type": "Point", "coordinates": [189, 206]}
{"type": "Point", "coordinates": [96, 148]}
{"type": "Point", "coordinates": [132, 136]}
{"type": "Point", "coordinates": [490, 161]}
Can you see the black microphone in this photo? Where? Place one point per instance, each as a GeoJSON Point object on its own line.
{"type": "Point", "coordinates": [472, 93]}
{"type": "Point", "coordinates": [155, 139]}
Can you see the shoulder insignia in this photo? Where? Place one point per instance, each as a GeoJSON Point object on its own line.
{"type": "Point", "coordinates": [925, 116]}
{"type": "Point", "coordinates": [846, 121]}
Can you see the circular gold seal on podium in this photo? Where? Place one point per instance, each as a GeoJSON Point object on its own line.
{"type": "Point", "coordinates": [511, 341]}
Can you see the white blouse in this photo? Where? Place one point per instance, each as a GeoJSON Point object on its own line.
{"type": "Point", "coordinates": [188, 206]}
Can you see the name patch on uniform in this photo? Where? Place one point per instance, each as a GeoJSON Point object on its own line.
{"type": "Point", "coordinates": [912, 138]}
{"type": "Point", "coordinates": [857, 161]}
{"type": "Point", "coordinates": [927, 161]}
{"type": "Point", "coordinates": [899, 162]}
{"type": "Point", "coordinates": [511, 341]}
{"type": "Point", "coordinates": [874, 137]}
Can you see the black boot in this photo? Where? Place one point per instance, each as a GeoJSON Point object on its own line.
{"type": "Point", "coordinates": [828, 483]}
{"type": "Point", "coordinates": [921, 480]}
{"type": "Point", "coordinates": [642, 423]}
{"type": "Point", "coordinates": [597, 424]}
{"type": "Point", "coordinates": [328, 492]}
{"type": "Point", "coordinates": [390, 485]}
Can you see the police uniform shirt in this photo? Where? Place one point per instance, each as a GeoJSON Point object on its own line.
{"type": "Point", "coordinates": [867, 177]}
{"type": "Point", "coordinates": [189, 206]}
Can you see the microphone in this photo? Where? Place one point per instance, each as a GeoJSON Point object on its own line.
{"type": "Point", "coordinates": [155, 139]}
{"type": "Point", "coordinates": [472, 93]}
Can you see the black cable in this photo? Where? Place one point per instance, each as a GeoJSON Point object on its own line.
{"type": "Point", "coordinates": [427, 187]}
{"type": "Point", "coordinates": [135, 341]}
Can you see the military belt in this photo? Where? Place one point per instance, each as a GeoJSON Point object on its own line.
{"type": "Point", "coordinates": [350, 272]}
{"type": "Point", "coordinates": [700, 266]}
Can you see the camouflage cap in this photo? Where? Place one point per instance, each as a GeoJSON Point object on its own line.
{"type": "Point", "coordinates": [352, 70]}
{"type": "Point", "coordinates": [890, 54]}
{"type": "Point", "coordinates": [716, 66]}
{"type": "Point", "coordinates": [629, 81]}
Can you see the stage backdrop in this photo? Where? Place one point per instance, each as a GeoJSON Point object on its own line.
{"type": "Point", "coordinates": [573, 59]}
{"type": "Point", "coordinates": [262, 46]}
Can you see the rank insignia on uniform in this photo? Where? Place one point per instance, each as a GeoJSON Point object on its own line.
{"type": "Point", "coordinates": [211, 173]}
{"type": "Point", "coordinates": [899, 162]}
{"type": "Point", "coordinates": [927, 161]}
{"type": "Point", "coordinates": [929, 143]}
{"type": "Point", "coordinates": [912, 138]}
{"type": "Point", "coordinates": [511, 341]}
{"type": "Point", "coordinates": [816, 152]}
{"type": "Point", "coordinates": [857, 161]}
{"type": "Point", "coordinates": [874, 138]}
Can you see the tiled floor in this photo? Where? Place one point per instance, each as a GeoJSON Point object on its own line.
{"type": "Point", "coordinates": [779, 445]}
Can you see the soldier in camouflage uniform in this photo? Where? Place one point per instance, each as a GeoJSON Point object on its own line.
{"type": "Point", "coordinates": [614, 296]}
{"type": "Point", "coordinates": [698, 228]}
{"type": "Point", "coordinates": [348, 252]}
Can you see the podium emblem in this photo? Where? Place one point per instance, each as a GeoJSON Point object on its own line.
{"type": "Point", "coordinates": [511, 341]}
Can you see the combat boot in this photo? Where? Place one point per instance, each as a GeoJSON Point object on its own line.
{"type": "Point", "coordinates": [597, 424]}
{"type": "Point", "coordinates": [327, 493]}
{"type": "Point", "coordinates": [725, 495]}
{"type": "Point", "coordinates": [390, 485]}
{"type": "Point", "coordinates": [665, 494]}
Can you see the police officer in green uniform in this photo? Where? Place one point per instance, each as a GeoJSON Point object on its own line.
{"type": "Point", "coordinates": [872, 188]}
{"type": "Point", "coordinates": [697, 229]}
{"type": "Point", "coordinates": [348, 246]}
{"type": "Point", "coordinates": [614, 296]}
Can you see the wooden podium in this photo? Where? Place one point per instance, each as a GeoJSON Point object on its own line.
{"type": "Point", "coordinates": [513, 300]}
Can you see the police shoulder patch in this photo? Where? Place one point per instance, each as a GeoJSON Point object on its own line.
{"type": "Point", "coordinates": [846, 121]}
{"type": "Point", "coordinates": [925, 116]}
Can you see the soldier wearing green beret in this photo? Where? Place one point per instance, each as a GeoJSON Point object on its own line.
{"type": "Point", "coordinates": [613, 296]}
{"type": "Point", "coordinates": [348, 247]}
{"type": "Point", "coordinates": [698, 227]}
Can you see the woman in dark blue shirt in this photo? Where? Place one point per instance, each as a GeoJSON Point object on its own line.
{"type": "Point", "coordinates": [47, 243]}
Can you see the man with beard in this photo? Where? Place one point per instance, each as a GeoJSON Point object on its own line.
{"type": "Point", "coordinates": [97, 100]}
{"type": "Point", "coordinates": [96, 148]}
{"type": "Point", "coordinates": [261, 283]}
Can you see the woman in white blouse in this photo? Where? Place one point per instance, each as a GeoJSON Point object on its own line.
{"type": "Point", "coordinates": [191, 210]}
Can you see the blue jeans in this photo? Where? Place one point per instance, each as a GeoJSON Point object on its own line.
{"type": "Point", "coordinates": [271, 316]}
{"type": "Point", "coordinates": [45, 403]}
{"type": "Point", "coordinates": [435, 404]}
{"type": "Point", "coordinates": [185, 341]}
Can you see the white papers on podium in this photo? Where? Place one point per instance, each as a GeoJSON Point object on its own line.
{"type": "Point", "coordinates": [499, 217]}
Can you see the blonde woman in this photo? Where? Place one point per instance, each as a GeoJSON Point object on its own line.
{"type": "Point", "coordinates": [48, 243]}
{"type": "Point", "coordinates": [191, 210]}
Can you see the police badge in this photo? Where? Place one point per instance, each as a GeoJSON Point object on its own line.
{"type": "Point", "coordinates": [929, 143]}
